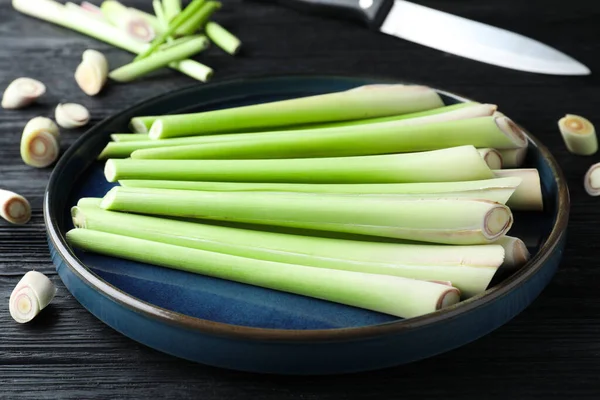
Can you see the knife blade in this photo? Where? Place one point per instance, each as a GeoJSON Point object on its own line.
{"type": "Point", "coordinates": [449, 33]}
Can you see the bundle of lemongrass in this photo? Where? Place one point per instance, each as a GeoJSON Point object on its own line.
{"type": "Point", "coordinates": [378, 197]}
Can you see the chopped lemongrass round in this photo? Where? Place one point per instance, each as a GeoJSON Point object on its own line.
{"type": "Point", "coordinates": [140, 29]}
{"type": "Point", "coordinates": [31, 295]}
{"type": "Point", "coordinates": [71, 115]}
{"type": "Point", "coordinates": [515, 252]}
{"type": "Point", "coordinates": [92, 73]}
{"type": "Point", "coordinates": [14, 208]}
{"type": "Point", "coordinates": [528, 196]}
{"type": "Point", "coordinates": [513, 158]}
{"type": "Point", "coordinates": [40, 142]}
{"type": "Point", "coordinates": [491, 157]}
{"type": "Point", "coordinates": [22, 92]}
{"type": "Point", "coordinates": [579, 135]}
{"type": "Point", "coordinates": [591, 182]}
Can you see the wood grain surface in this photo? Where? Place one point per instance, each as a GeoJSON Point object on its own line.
{"type": "Point", "coordinates": [552, 350]}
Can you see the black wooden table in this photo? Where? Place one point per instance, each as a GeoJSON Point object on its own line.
{"type": "Point", "coordinates": [552, 350]}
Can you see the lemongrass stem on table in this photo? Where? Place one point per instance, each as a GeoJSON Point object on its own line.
{"type": "Point", "coordinates": [469, 268]}
{"type": "Point", "coordinates": [449, 165]}
{"type": "Point", "coordinates": [171, 8]}
{"type": "Point", "coordinates": [14, 208]}
{"type": "Point", "coordinates": [528, 196]}
{"type": "Point", "coordinates": [22, 92]}
{"type": "Point", "coordinates": [498, 190]}
{"type": "Point", "coordinates": [591, 181]}
{"type": "Point", "coordinates": [121, 17]}
{"type": "Point", "coordinates": [78, 20]}
{"type": "Point", "coordinates": [31, 295]}
{"type": "Point", "coordinates": [223, 38]}
{"type": "Point", "coordinates": [91, 74]}
{"type": "Point", "coordinates": [199, 19]}
{"type": "Point", "coordinates": [158, 60]}
{"type": "Point", "coordinates": [40, 142]}
{"type": "Point", "coordinates": [578, 134]}
{"type": "Point", "coordinates": [129, 137]}
{"type": "Point", "coordinates": [358, 103]}
{"type": "Point", "coordinates": [515, 252]}
{"type": "Point", "coordinates": [513, 158]}
{"type": "Point", "coordinates": [492, 158]}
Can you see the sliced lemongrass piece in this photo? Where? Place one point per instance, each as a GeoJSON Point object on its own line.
{"type": "Point", "coordinates": [223, 38]}
{"type": "Point", "coordinates": [129, 137]}
{"type": "Point", "coordinates": [151, 19]}
{"type": "Point", "coordinates": [579, 135]}
{"type": "Point", "coordinates": [121, 17]}
{"type": "Point", "coordinates": [87, 10]}
{"type": "Point", "coordinates": [513, 158]}
{"type": "Point", "coordinates": [71, 115]}
{"type": "Point", "coordinates": [449, 165]}
{"type": "Point", "coordinates": [591, 181]}
{"type": "Point", "coordinates": [40, 142]}
{"type": "Point", "coordinates": [92, 72]}
{"type": "Point", "coordinates": [14, 208]}
{"type": "Point", "coordinates": [171, 8]}
{"type": "Point", "coordinates": [491, 157]}
{"type": "Point", "coordinates": [86, 5]}
{"type": "Point", "coordinates": [22, 92]}
{"type": "Point", "coordinates": [528, 196]}
{"type": "Point", "coordinates": [515, 250]}
{"type": "Point", "coordinates": [158, 60]}
{"type": "Point", "coordinates": [392, 295]}
{"type": "Point", "coordinates": [199, 19]}
{"type": "Point", "coordinates": [358, 103]}
{"type": "Point", "coordinates": [31, 295]}
{"type": "Point", "coordinates": [498, 190]}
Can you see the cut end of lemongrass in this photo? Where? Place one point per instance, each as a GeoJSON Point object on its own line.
{"type": "Point", "coordinates": [156, 129]}
{"type": "Point", "coordinates": [492, 158]}
{"type": "Point", "coordinates": [512, 131]}
{"type": "Point", "coordinates": [591, 181]}
{"type": "Point", "coordinates": [78, 218]}
{"type": "Point", "coordinates": [497, 221]}
{"type": "Point", "coordinates": [579, 135]}
{"type": "Point", "coordinates": [14, 208]}
{"type": "Point", "coordinates": [138, 126]}
{"type": "Point", "coordinates": [71, 115]}
{"type": "Point", "coordinates": [31, 295]}
{"type": "Point", "coordinates": [513, 158]}
{"type": "Point", "coordinates": [528, 195]}
{"type": "Point", "coordinates": [22, 92]}
{"type": "Point", "coordinates": [516, 253]}
{"type": "Point", "coordinates": [41, 124]}
{"type": "Point", "coordinates": [110, 171]}
{"type": "Point", "coordinates": [39, 149]}
{"type": "Point", "coordinates": [140, 29]}
{"type": "Point", "coordinates": [449, 298]}
{"type": "Point", "coordinates": [92, 72]}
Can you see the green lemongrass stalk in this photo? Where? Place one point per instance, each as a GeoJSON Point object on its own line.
{"type": "Point", "coordinates": [515, 252]}
{"type": "Point", "coordinates": [358, 103]}
{"type": "Point", "coordinates": [528, 196]}
{"type": "Point", "coordinates": [80, 21]}
{"type": "Point", "coordinates": [446, 221]}
{"type": "Point", "coordinates": [492, 158]}
{"type": "Point", "coordinates": [129, 137]}
{"type": "Point", "coordinates": [157, 6]}
{"type": "Point", "coordinates": [223, 38]}
{"type": "Point", "coordinates": [469, 268]}
{"type": "Point", "coordinates": [187, 13]}
{"type": "Point", "coordinates": [87, 202]}
{"type": "Point", "coordinates": [498, 190]}
{"type": "Point", "coordinates": [172, 8]}
{"type": "Point", "coordinates": [158, 60]}
{"type": "Point", "coordinates": [448, 165]}
{"type": "Point", "coordinates": [392, 295]}
{"type": "Point", "coordinates": [198, 20]}
{"type": "Point", "coordinates": [121, 17]}
{"type": "Point", "coordinates": [513, 158]}
{"type": "Point", "coordinates": [360, 140]}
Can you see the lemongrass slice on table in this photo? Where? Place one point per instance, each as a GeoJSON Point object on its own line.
{"type": "Point", "coordinates": [14, 208]}
{"type": "Point", "coordinates": [223, 38]}
{"type": "Point", "coordinates": [578, 134]}
{"type": "Point", "coordinates": [449, 165]}
{"type": "Point", "coordinates": [516, 253]}
{"type": "Point", "coordinates": [591, 181]}
{"type": "Point", "coordinates": [491, 157]}
{"type": "Point", "coordinates": [71, 115]}
{"type": "Point", "coordinates": [92, 72]}
{"type": "Point", "coordinates": [22, 92]}
{"type": "Point", "coordinates": [392, 295]}
{"type": "Point", "coordinates": [40, 142]}
{"type": "Point", "coordinates": [513, 158]}
{"type": "Point", "coordinates": [199, 19]}
{"type": "Point", "coordinates": [528, 196]}
{"type": "Point", "coordinates": [31, 295]}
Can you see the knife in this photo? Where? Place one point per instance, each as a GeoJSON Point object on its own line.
{"type": "Point", "coordinates": [449, 33]}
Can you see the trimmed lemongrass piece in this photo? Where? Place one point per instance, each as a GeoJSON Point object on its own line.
{"type": "Point", "coordinates": [121, 17]}
{"type": "Point", "coordinates": [158, 60]}
{"type": "Point", "coordinates": [86, 5]}
{"type": "Point", "coordinates": [87, 202]}
{"type": "Point", "coordinates": [492, 158]}
{"type": "Point", "coordinates": [92, 72]}
{"type": "Point", "coordinates": [358, 103]}
{"type": "Point", "coordinates": [80, 21]}
{"type": "Point", "coordinates": [360, 140]}
{"type": "Point", "coordinates": [447, 165]}
{"type": "Point", "coordinates": [14, 208]}
{"type": "Point", "coordinates": [71, 115]}
{"type": "Point", "coordinates": [446, 221]}
{"type": "Point", "coordinates": [129, 137]}
{"type": "Point", "coordinates": [31, 295]}
{"type": "Point", "coordinates": [515, 252]}
{"type": "Point", "coordinates": [578, 134]}
{"type": "Point", "coordinates": [528, 196]}
{"type": "Point", "coordinates": [513, 158]}
{"type": "Point", "coordinates": [470, 268]}
{"type": "Point", "coordinates": [223, 38]}
{"type": "Point", "coordinates": [22, 92]}
{"type": "Point", "coordinates": [591, 181]}
{"type": "Point", "coordinates": [40, 142]}
{"type": "Point", "coordinates": [498, 190]}
{"type": "Point", "coordinates": [171, 8]}
{"type": "Point", "coordinates": [157, 6]}
{"type": "Point", "coordinates": [150, 19]}
{"type": "Point", "coordinates": [88, 11]}
{"type": "Point", "coordinates": [198, 20]}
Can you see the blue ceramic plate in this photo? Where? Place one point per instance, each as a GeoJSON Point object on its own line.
{"type": "Point", "coordinates": [237, 326]}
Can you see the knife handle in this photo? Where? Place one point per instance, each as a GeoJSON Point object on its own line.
{"type": "Point", "coordinates": [368, 12]}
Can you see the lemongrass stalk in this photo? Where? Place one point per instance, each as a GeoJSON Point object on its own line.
{"type": "Point", "coordinates": [71, 115]}
{"type": "Point", "coordinates": [121, 17]}
{"type": "Point", "coordinates": [14, 208]}
{"type": "Point", "coordinates": [198, 20]}
{"type": "Point", "coordinates": [392, 295]}
{"type": "Point", "coordinates": [448, 165]}
{"type": "Point", "coordinates": [513, 158]}
{"type": "Point", "coordinates": [40, 142]}
{"type": "Point", "coordinates": [498, 190]}
{"type": "Point", "coordinates": [491, 157]}
{"type": "Point", "coordinates": [32, 294]}
{"type": "Point", "coordinates": [157, 6]}
{"type": "Point", "coordinates": [158, 60]}
{"type": "Point", "coordinates": [80, 21]}
{"type": "Point", "coordinates": [87, 202]}
{"type": "Point", "coordinates": [359, 103]}
{"type": "Point", "coordinates": [171, 8]}
{"type": "Point", "coordinates": [223, 38]}
{"type": "Point", "coordinates": [470, 268]}
{"type": "Point", "coordinates": [578, 134]}
{"type": "Point", "coordinates": [591, 181]}
{"type": "Point", "coordinates": [516, 253]}
{"type": "Point", "coordinates": [129, 137]}
{"type": "Point", "coordinates": [528, 196]}
{"type": "Point", "coordinates": [91, 74]}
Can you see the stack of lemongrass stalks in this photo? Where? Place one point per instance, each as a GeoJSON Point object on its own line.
{"type": "Point", "coordinates": [378, 197]}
